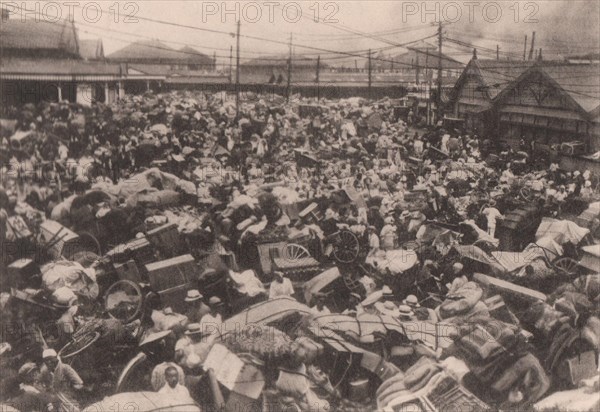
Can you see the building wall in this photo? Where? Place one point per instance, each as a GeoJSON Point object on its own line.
{"type": "Point", "coordinates": [540, 112]}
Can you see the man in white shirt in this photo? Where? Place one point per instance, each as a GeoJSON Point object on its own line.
{"type": "Point", "coordinates": [211, 323]}
{"type": "Point", "coordinates": [172, 387]}
{"type": "Point", "coordinates": [280, 286]}
{"type": "Point", "coordinates": [491, 214]}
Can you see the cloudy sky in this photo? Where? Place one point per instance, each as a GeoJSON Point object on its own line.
{"type": "Point", "coordinates": [562, 27]}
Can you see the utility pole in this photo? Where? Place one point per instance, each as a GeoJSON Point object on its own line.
{"type": "Point", "coordinates": [230, 64]}
{"type": "Point", "coordinates": [237, 73]}
{"type": "Point", "coordinates": [428, 89]}
{"type": "Point", "coordinates": [289, 71]}
{"type": "Point", "coordinates": [417, 68]}
{"type": "Point", "coordinates": [318, 68]}
{"type": "Point", "coordinates": [439, 79]}
{"type": "Point", "coordinates": [525, 49]}
{"type": "Point", "coordinates": [497, 52]}
{"type": "Point", "coordinates": [215, 61]}
{"type": "Point", "coordinates": [370, 69]}
{"type": "Point", "coordinates": [532, 45]}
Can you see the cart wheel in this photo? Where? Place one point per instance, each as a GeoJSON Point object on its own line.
{"type": "Point", "coordinates": [346, 247]}
{"type": "Point", "coordinates": [78, 345]}
{"type": "Point", "coordinates": [526, 194]}
{"type": "Point", "coordinates": [566, 266]}
{"type": "Point", "coordinates": [294, 252]}
{"type": "Point", "coordinates": [86, 243]}
{"type": "Point", "coordinates": [123, 300]}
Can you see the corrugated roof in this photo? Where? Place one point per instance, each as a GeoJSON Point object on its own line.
{"type": "Point", "coordinates": [56, 66]}
{"type": "Point", "coordinates": [16, 34]}
{"type": "Point", "coordinates": [152, 51]}
{"type": "Point", "coordinates": [91, 49]}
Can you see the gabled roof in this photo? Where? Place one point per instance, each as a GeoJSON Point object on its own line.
{"type": "Point", "coordinates": [155, 51]}
{"type": "Point", "coordinates": [91, 49]}
{"type": "Point", "coordinates": [579, 83]}
{"type": "Point", "coordinates": [496, 75]}
{"type": "Point", "coordinates": [32, 35]}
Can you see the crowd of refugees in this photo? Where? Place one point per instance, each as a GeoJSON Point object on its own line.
{"type": "Point", "coordinates": [55, 154]}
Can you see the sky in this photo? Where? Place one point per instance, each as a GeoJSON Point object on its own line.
{"type": "Point", "coordinates": [326, 28]}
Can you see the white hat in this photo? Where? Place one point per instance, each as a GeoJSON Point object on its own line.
{"type": "Point", "coordinates": [405, 310]}
{"type": "Point", "coordinates": [387, 308]}
{"type": "Point", "coordinates": [193, 295]}
{"type": "Point", "coordinates": [411, 300]}
{"type": "Point", "coordinates": [49, 353]}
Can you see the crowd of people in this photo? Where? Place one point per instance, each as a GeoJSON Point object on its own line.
{"type": "Point", "coordinates": [232, 180]}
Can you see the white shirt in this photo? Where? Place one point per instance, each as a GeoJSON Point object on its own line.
{"type": "Point", "coordinates": [176, 392]}
{"type": "Point", "coordinates": [491, 213]}
{"type": "Point", "coordinates": [284, 288]}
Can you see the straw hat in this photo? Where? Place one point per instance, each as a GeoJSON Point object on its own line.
{"type": "Point", "coordinates": [387, 308]}
{"type": "Point", "coordinates": [49, 353]}
{"type": "Point", "coordinates": [214, 300]}
{"type": "Point", "coordinates": [193, 295]}
{"type": "Point", "coordinates": [412, 301]}
{"type": "Point", "coordinates": [194, 329]}
{"type": "Point", "coordinates": [405, 311]}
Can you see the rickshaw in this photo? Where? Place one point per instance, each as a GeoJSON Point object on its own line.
{"type": "Point", "coordinates": [143, 401]}
{"type": "Point", "coordinates": [283, 313]}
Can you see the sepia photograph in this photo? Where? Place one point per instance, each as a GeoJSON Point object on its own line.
{"type": "Point", "coordinates": [300, 206]}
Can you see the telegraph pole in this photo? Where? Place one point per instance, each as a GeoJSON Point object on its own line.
{"type": "Point", "coordinates": [497, 52]}
{"type": "Point", "coordinates": [289, 71]}
{"type": "Point", "coordinates": [439, 76]}
{"type": "Point", "coordinates": [370, 70]}
{"type": "Point", "coordinates": [532, 46]}
{"type": "Point", "coordinates": [237, 73]}
{"type": "Point", "coordinates": [318, 68]}
{"type": "Point", "coordinates": [525, 49]}
{"type": "Point", "coordinates": [230, 64]}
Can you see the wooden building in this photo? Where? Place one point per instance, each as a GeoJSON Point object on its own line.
{"type": "Point", "coordinates": [41, 60]}
{"type": "Point", "coordinates": [477, 88]}
{"type": "Point", "coordinates": [552, 103]}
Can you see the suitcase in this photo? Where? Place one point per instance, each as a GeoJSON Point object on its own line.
{"type": "Point", "coordinates": [20, 271]}
{"type": "Point", "coordinates": [173, 272]}
{"type": "Point", "coordinates": [165, 239]}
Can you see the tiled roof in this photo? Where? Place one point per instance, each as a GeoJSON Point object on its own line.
{"type": "Point", "coordinates": [38, 35]}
